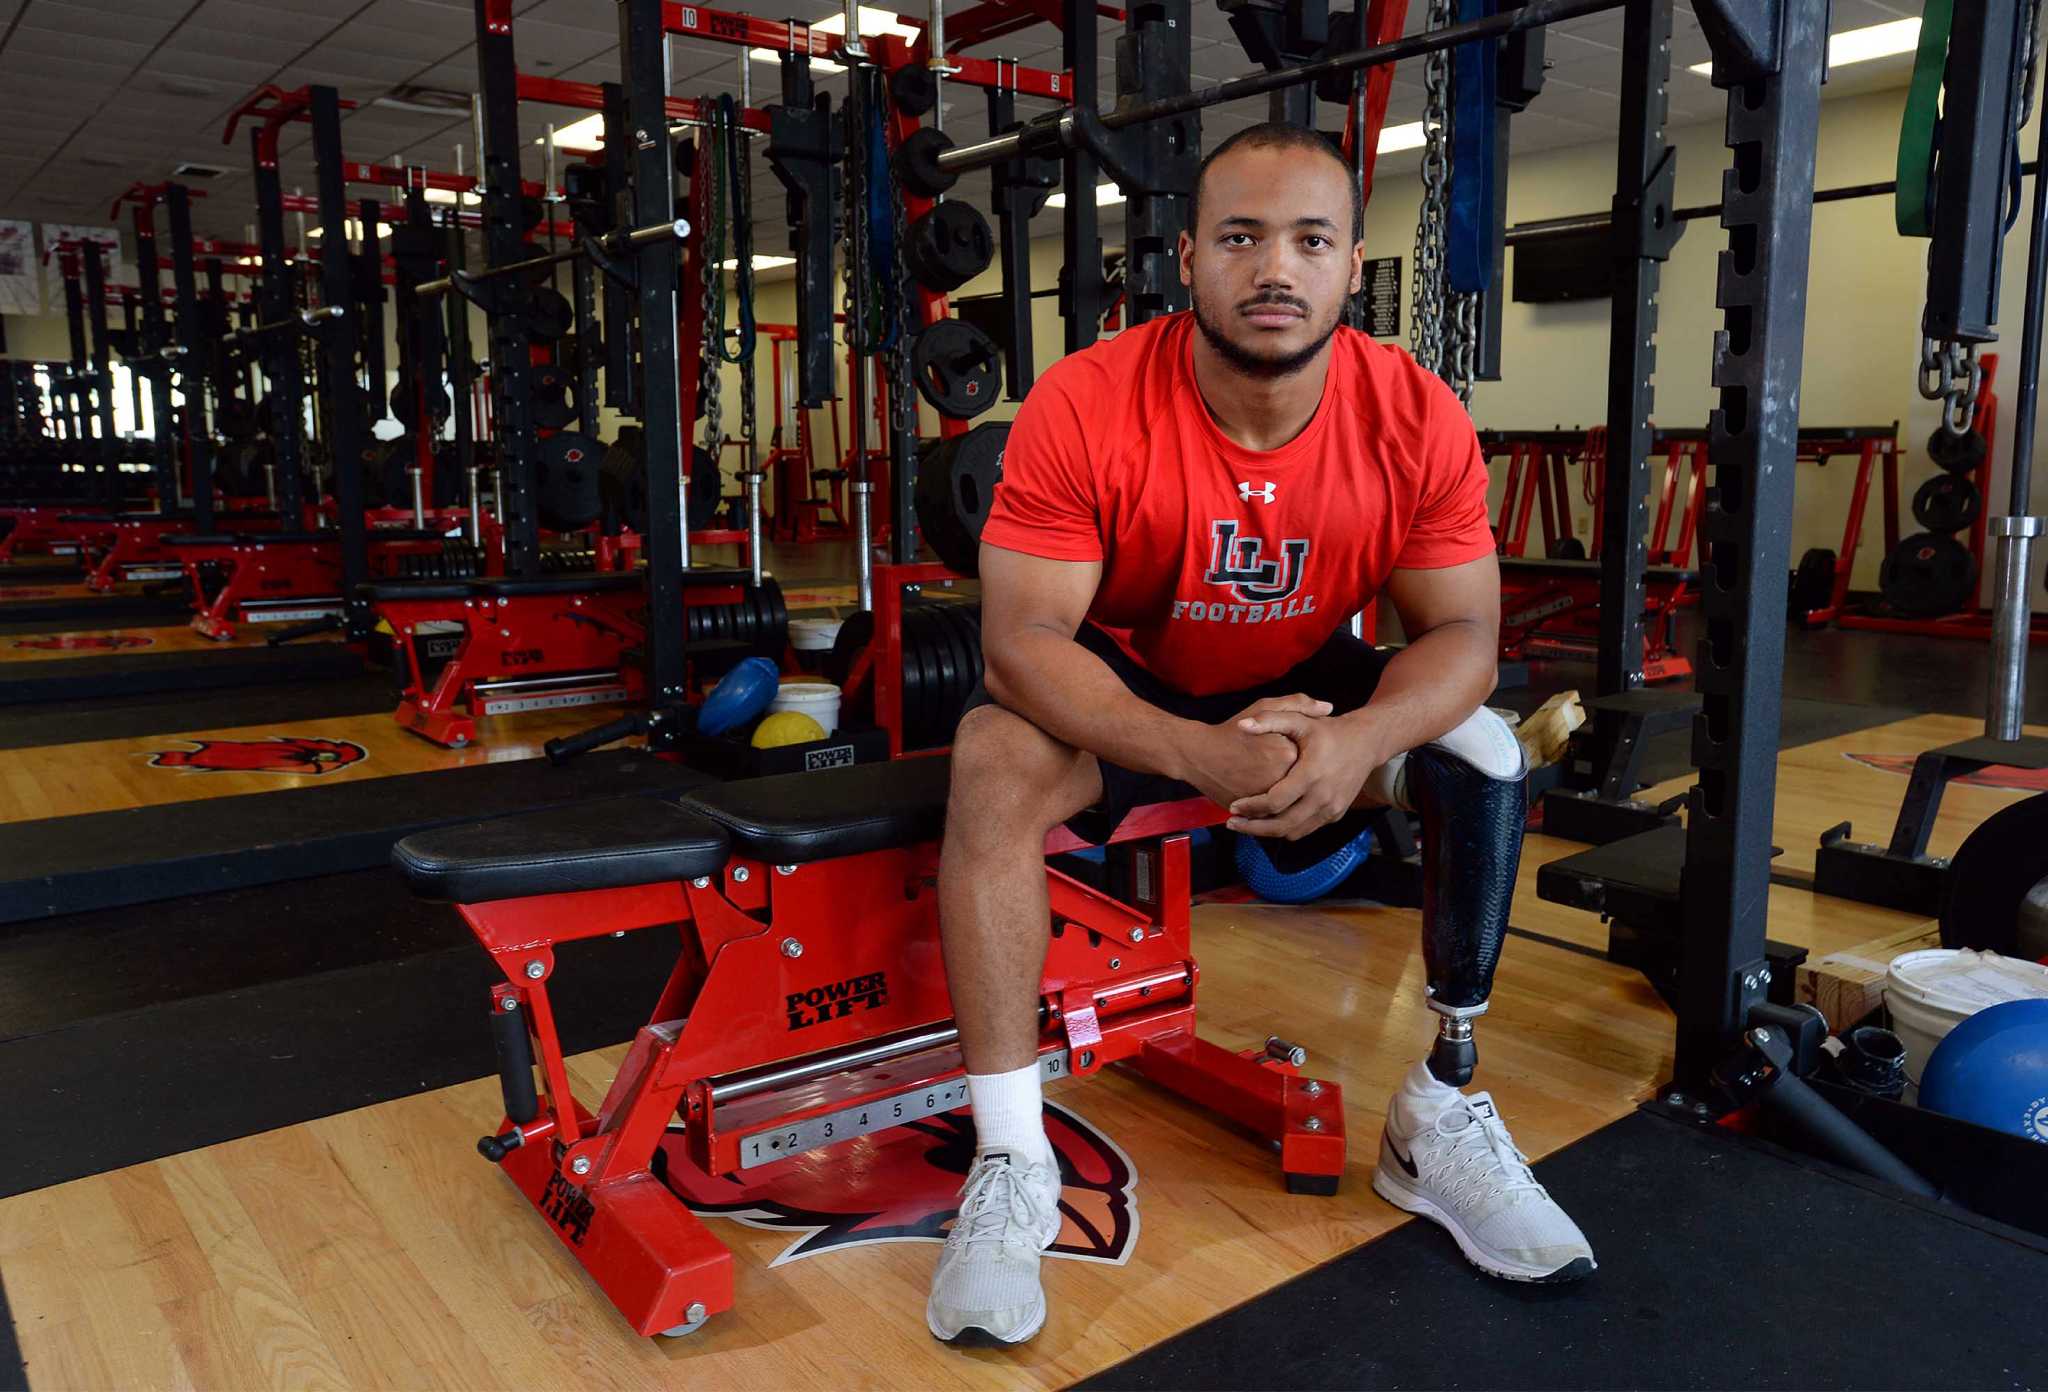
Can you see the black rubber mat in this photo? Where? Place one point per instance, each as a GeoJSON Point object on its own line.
{"type": "Point", "coordinates": [1724, 1263]}
{"type": "Point", "coordinates": [104, 860]}
{"type": "Point", "coordinates": [94, 609]}
{"type": "Point", "coordinates": [40, 573]}
{"type": "Point", "coordinates": [87, 678]}
{"type": "Point", "coordinates": [13, 1375]}
{"type": "Point", "coordinates": [32, 627]}
{"type": "Point", "coordinates": [158, 713]}
{"type": "Point", "coordinates": [107, 1090]}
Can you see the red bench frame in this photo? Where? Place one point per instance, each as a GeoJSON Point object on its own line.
{"type": "Point", "coordinates": [1119, 984]}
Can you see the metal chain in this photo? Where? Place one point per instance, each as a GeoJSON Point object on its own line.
{"type": "Point", "coordinates": [709, 358]}
{"type": "Point", "coordinates": [1461, 345]}
{"type": "Point", "coordinates": [1426, 325]}
{"type": "Point", "coordinates": [902, 398]}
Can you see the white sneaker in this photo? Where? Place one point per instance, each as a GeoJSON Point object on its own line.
{"type": "Point", "coordinates": [987, 1279]}
{"type": "Point", "coordinates": [1463, 1172]}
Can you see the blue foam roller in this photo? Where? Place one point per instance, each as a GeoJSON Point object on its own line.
{"type": "Point", "coordinates": [740, 695]}
{"type": "Point", "coordinates": [1276, 886]}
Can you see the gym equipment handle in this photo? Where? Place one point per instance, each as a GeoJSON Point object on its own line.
{"type": "Point", "coordinates": [515, 1060]}
{"type": "Point", "coordinates": [560, 751]}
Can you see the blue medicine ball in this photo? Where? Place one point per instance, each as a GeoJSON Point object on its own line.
{"type": "Point", "coordinates": [740, 695]}
{"type": "Point", "coordinates": [1993, 1069]}
{"type": "Point", "coordinates": [1277, 886]}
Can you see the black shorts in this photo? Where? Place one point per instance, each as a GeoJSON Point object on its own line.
{"type": "Point", "coordinates": [1344, 672]}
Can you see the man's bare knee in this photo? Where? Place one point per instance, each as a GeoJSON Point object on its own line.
{"type": "Point", "coordinates": [1011, 777]}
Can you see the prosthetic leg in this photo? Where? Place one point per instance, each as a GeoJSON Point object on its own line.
{"type": "Point", "coordinates": [1468, 789]}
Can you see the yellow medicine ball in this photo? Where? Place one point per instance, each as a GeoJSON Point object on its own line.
{"type": "Point", "coordinates": [787, 727]}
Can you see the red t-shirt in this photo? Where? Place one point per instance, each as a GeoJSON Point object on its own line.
{"type": "Point", "coordinates": [1224, 567]}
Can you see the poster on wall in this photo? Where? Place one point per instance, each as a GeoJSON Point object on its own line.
{"type": "Point", "coordinates": [1382, 289]}
{"type": "Point", "coordinates": [20, 291]}
{"type": "Point", "coordinates": [53, 272]}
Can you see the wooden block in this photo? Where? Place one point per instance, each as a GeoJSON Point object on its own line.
{"type": "Point", "coordinates": [1846, 986]}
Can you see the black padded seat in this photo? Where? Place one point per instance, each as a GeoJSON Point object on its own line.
{"type": "Point", "coordinates": [202, 539]}
{"type": "Point", "coordinates": [593, 845]}
{"type": "Point", "coordinates": [568, 582]}
{"type": "Point", "coordinates": [418, 589]}
{"type": "Point", "coordinates": [795, 818]}
{"type": "Point", "coordinates": [91, 517]}
{"type": "Point", "coordinates": [292, 538]}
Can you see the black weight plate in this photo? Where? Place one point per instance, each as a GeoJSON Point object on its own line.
{"type": "Point", "coordinates": [1567, 549]}
{"type": "Point", "coordinates": [958, 368]}
{"type": "Point", "coordinates": [948, 246]}
{"type": "Point", "coordinates": [1927, 575]}
{"type": "Point", "coordinates": [856, 708]}
{"type": "Point", "coordinates": [1991, 875]}
{"type": "Point", "coordinates": [947, 659]}
{"type": "Point", "coordinates": [921, 677]}
{"type": "Point", "coordinates": [1946, 503]}
{"type": "Point", "coordinates": [1959, 454]}
{"type": "Point", "coordinates": [955, 488]}
{"type": "Point", "coordinates": [1813, 584]}
{"type": "Point", "coordinates": [439, 408]}
{"type": "Point", "coordinates": [959, 671]}
{"type": "Point", "coordinates": [917, 162]}
{"type": "Point", "coordinates": [548, 389]}
{"type": "Point", "coordinates": [915, 89]}
{"type": "Point", "coordinates": [566, 482]}
{"type": "Point", "coordinates": [549, 315]}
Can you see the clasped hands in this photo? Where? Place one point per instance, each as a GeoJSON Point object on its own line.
{"type": "Point", "coordinates": [1284, 766]}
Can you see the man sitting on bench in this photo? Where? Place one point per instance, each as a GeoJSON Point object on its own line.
{"type": "Point", "coordinates": [1190, 513]}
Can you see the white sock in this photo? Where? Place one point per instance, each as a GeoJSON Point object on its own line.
{"type": "Point", "coordinates": [1009, 1113]}
{"type": "Point", "coordinates": [1420, 1100]}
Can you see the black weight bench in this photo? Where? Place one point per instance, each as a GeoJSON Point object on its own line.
{"type": "Point", "coordinates": [594, 845]}
{"type": "Point", "coordinates": [785, 819]}
{"type": "Point", "coordinates": [567, 582]}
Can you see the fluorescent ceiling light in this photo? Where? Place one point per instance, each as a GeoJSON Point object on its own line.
{"type": "Point", "coordinates": [1407, 137]}
{"type": "Point", "coordinates": [873, 23]}
{"type": "Point", "coordinates": [586, 135]}
{"type": "Point", "coordinates": [1858, 45]}
{"type": "Point", "coordinates": [1106, 195]}
{"type": "Point", "coordinates": [761, 263]}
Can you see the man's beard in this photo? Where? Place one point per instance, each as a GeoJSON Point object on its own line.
{"type": "Point", "coordinates": [1252, 364]}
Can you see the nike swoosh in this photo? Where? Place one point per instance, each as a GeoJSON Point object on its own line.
{"type": "Point", "coordinates": [1404, 1161]}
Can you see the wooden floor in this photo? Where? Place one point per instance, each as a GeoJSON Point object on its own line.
{"type": "Point", "coordinates": [65, 779]}
{"type": "Point", "coordinates": [375, 1248]}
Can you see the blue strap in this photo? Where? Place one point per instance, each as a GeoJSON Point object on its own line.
{"type": "Point", "coordinates": [1469, 249]}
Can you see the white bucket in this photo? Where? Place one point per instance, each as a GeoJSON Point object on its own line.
{"type": "Point", "coordinates": [813, 635]}
{"type": "Point", "coordinates": [1930, 992]}
{"type": "Point", "coordinates": [818, 700]}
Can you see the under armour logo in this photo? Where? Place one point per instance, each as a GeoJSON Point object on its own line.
{"type": "Point", "coordinates": [1264, 492]}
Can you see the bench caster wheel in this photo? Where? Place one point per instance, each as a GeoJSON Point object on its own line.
{"type": "Point", "coordinates": [694, 1319]}
{"type": "Point", "coordinates": [1323, 1184]}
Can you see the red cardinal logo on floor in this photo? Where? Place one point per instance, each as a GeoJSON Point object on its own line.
{"type": "Point", "coordinates": [903, 1185]}
{"type": "Point", "coordinates": [278, 754]}
{"type": "Point", "coordinates": [1995, 776]}
{"type": "Point", "coordinates": [85, 642]}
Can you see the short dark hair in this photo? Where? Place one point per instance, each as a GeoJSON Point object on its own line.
{"type": "Point", "coordinates": [1280, 135]}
